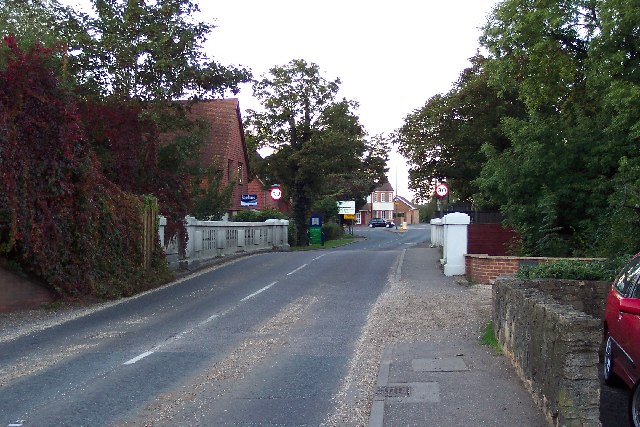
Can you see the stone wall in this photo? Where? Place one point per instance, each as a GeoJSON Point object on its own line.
{"type": "Point", "coordinates": [552, 344]}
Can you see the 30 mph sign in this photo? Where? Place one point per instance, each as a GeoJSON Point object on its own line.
{"type": "Point", "coordinates": [442, 190]}
{"type": "Point", "coordinates": [276, 193]}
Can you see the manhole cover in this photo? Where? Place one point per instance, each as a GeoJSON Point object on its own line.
{"type": "Point", "coordinates": [393, 391]}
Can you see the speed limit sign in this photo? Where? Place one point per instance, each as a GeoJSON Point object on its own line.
{"type": "Point", "coordinates": [442, 190]}
{"type": "Point", "coordinates": [276, 193]}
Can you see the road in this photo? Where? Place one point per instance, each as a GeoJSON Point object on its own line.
{"type": "Point", "coordinates": [265, 339]}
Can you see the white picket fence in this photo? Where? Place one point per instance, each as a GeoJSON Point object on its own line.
{"type": "Point", "coordinates": [213, 239]}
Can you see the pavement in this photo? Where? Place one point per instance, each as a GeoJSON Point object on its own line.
{"type": "Point", "coordinates": [448, 378]}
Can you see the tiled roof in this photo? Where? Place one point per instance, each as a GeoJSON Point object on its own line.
{"type": "Point", "coordinates": [406, 202]}
{"type": "Point", "coordinates": [223, 117]}
{"type": "Point", "coordinates": [386, 186]}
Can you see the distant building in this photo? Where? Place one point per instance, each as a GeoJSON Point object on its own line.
{"type": "Point", "coordinates": [265, 201]}
{"type": "Point", "coordinates": [379, 205]}
{"type": "Point", "coordinates": [406, 211]}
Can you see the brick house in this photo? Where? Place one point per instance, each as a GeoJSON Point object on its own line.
{"type": "Point", "coordinates": [379, 205]}
{"type": "Point", "coordinates": [406, 211]}
{"type": "Point", "coordinates": [225, 145]}
{"type": "Point", "coordinates": [258, 188]}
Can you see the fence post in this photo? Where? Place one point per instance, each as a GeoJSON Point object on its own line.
{"type": "Point", "coordinates": [455, 242]}
{"type": "Point", "coordinates": [162, 222]}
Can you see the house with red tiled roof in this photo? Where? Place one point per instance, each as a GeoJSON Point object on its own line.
{"type": "Point", "coordinates": [225, 145]}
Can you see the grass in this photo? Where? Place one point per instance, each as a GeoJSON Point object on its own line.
{"type": "Point", "coordinates": [488, 338]}
{"type": "Point", "coordinates": [327, 245]}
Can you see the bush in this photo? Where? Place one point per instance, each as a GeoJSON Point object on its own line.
{"type": "Point", "coordinates": [604, 270]}
{"type": "Point", "coordinates": [258, 216]}
{"type": "Point", "coordinates": [332, 231]}
{"type": "Point", "coordinates": [61, 219]}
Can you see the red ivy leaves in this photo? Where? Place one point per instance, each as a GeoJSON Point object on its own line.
{"type": "Point", "coordinates": [60, 217]}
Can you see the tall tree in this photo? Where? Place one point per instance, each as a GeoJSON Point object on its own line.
{"type": "Point", "coordinates": [443, 140]}
{"type": "Point", "coordinates": [314, 136]}
{"type": "Point", "coordinates": [566, 61]}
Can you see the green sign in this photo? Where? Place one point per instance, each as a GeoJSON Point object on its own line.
{"type": "Point", "coordinates": [315, 235]}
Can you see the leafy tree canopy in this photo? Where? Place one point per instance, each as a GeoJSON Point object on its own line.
{"type": "Point", "coordinates": [321, 150]}
{"type": "Point", "coordinates": [442, 140]}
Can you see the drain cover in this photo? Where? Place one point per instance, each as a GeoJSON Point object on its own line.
{"type": "Point", "coordinates": [393, 391]}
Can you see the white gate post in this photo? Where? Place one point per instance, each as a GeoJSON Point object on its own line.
{"type": "Point", "coordinates": [455, 242]}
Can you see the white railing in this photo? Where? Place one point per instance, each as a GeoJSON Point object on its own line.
{"type": "Point", "coordinates": [213, 239]}
{"type": "Point", "coordinates": [450, 233]}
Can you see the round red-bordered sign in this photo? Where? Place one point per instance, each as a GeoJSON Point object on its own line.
{"type": "Point", "coordinates": [276, 193]}
{"type": "Point", "coordinates": [442, 190]}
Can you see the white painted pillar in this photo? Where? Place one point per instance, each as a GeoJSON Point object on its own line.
{"type": "Point", "coordinates": [190, 223]}
{"type": "Point", "coordinates": [436, 232]}
{"type": "Point", "coordinates": [162, 223]}
{"type": "Point", "coordinates": [455, 242]}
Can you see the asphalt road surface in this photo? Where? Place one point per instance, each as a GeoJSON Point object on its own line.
{"type": "Point", "coordinates": [265, 339]}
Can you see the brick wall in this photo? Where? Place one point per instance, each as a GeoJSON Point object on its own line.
{"type": "Point", "coordinates": [482, 268]}
{"type": "Point", "coordinates": [553, 346]}
{"type": "Point", "coordinates": [485, 268]}
{"type": "Point", "coordinates": [17, 293]}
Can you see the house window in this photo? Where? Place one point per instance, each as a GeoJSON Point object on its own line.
{"type": "Point", "coordinates": [391, 197]}
{"type": "Point", "coordinates": [240, 170]}
{"type": "Point", "coordinates": [382, 199]}
{"type": "Point", "coordinates": [375, 197]}
{"type": "Point", "coordinates": [358, 218]}
{"type": "Point", "coordinates": [230, 170]}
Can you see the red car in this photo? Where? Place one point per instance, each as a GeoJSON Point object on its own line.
{"type": "Point", "coordinates": [621, 334]}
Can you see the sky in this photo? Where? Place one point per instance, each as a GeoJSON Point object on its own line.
{"type": "Point", "coordinates": [391, 56]}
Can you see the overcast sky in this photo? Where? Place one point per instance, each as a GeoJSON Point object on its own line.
{"type": "Point", "coordinates": [390, 56]}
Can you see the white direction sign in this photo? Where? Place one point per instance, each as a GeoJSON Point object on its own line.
{"type": "Point", "coordinates": [442, 190]}
{"type": "Point", "coordinates": [347, 207]}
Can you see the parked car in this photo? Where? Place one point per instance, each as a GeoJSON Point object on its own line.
{"type": "Point", "coordinates": [390, 224]}
{"type": "Point", "coordinates": [377, 222]}
{"type": "Point", "coordinates": [621, 335]}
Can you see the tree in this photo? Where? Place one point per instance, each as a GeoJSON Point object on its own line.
{"type": "Point", "coordinates": [60, 218]}
{"type": "Point", "coordinates": [315, 136]}
{"type": "Point", "coordinates": [442, 140]}
{"type": "Point", "coordinates": [574, 65]}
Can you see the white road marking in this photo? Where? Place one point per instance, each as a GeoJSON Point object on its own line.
{"type": "Point", "coordinates": [297, 269]}
{"type": "Point", "coordinates": [16, 424]}
{"type": "Point", "coordinates": [137, 358]}
{"type": "Point", "coordinates": [209, 319]}
{"type": "Point", "coordinates": [257, 292]}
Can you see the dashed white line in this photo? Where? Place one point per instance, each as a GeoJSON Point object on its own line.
{"type": "Point", "coordinates": [213, 317]}
{"type": "Point", "coordinates": [297, 269]}
{"type": "Point", "coordinates": [257, 292]}
{"type": "Point", "coordinates": [138, 358]}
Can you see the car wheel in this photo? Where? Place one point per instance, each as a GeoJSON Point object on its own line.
{"type": "Point", "coordinates": [607, 362]}
{"type": "Point", "coordinates": [634, 406]}
{"type": "Point", "coordinates": [370, 225]}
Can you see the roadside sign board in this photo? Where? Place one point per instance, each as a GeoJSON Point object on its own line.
{"type": "Point", "coordinates": [347, 207]}
{"type": "Point", "coordinates": [350, 216]}
{"type": "Point", "coordinates": [276, 193]}
{"type": "Point", "coordinates": [249, 200]}
{"type": "Point", "coordinates": [442, 190]}
{"type": "Point", "coordinates": [315, 230]}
